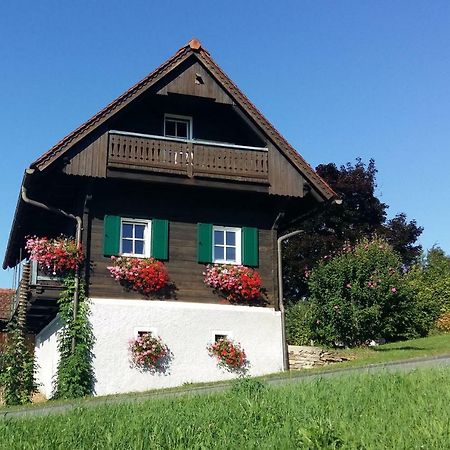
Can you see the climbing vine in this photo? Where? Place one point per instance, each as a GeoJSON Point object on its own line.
{"type": "Point", "coordinates": [75, 375]}
{"type": "Point", "coordinates": [17, 367]}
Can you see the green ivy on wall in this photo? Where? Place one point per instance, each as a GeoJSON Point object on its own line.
{"type": "Point", "coordinates": [75, 375]}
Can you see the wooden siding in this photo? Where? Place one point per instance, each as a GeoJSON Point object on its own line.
{"type": "Point", "coordinates": [284, 178]}
{"type": "Point", "coordinates": [196, 81]}
{"type": "Point", "coordinates": [91, 161]}
{"type": "Point", "coordinates": [184, 209]}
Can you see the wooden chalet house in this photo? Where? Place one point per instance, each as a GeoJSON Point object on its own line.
{"type": "Point", "coordinates": [184, 168]}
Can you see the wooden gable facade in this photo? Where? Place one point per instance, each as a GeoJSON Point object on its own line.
{"type": "Point", "coordinates": [229, 167]}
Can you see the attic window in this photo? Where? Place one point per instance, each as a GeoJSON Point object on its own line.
{"type": "Point", "coordinates": [178, 126]}
{"type": "Point", "coordinates": [198, 79]}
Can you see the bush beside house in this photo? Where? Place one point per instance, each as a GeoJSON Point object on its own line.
{"type": "Point", "coordinates": [363, 294]}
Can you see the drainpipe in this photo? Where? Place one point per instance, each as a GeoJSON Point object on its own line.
{"type": "Point", "coordinates": [280, 296]}
{"type": "Point", "coordinates": [79, 224]}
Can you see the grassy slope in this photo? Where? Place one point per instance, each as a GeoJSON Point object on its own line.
{"type": "Point", "coordinates": [353, 411]}
{"type": "Point", "coordinates": [417, 348]}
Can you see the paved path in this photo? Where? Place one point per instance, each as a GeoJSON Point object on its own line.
{"type": "Point", "coordinates": [395, 366]}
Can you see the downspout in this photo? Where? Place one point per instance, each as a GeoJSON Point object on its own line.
{"type": "Point", "coordinates": [79, 225]}
{"type": "Point", "coordinates": [334, 201]}
{"type": "Point", "coordinates": [280, 296]}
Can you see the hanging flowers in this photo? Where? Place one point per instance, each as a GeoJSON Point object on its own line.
{"type": "Point", "coordinates": [55, 256]}
{"type": "Point", "coordinates": [147, 351]}
{"type": "Point", "coordinates": [237, 283]}
{"type": "Point", "coordinates": [144, 275]}
{"type": "Point", "coordinates": [229, 355]}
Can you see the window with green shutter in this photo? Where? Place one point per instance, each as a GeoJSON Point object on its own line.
{"type": "Point", "coordinates": [204, 243]}
{"type": "Point", "coordinates": [228, 245]}
{"type": "Point", "coordinates": [160, 239]}
{"type": "Point", "coordinates": [250, 247]}
{"type": "Point", "coordinates": [136, 237]}
{"type": "Point", "coordinates": [111, 236]}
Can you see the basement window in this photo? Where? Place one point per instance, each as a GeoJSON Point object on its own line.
{"type": "Point", "coordinates": [218, 337]}
{"type": "Point", "coordinates": [178, 126]}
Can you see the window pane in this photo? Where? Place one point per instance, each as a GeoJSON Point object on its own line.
{"type": "Point", "coordinates": [139, 231]}
{"type": "Point", "coordinates": [231, 254]}
{"type": "Point", "coordinates": [170, 128]}
{"type": "Point", "coordinates": [218, 237]}
{"type": "Point", "coordinates": [139, 247]}
{"type": "Point", "coordinates": [127, 230]}
{"type": "Point", "coordinates": [231, 238]}
{"type": "Point", "coordinates": [127, 246]}
{"type": "Point", "coordinates": [182, 129]}
{"type": "Point", "coordinates": [218, 253]}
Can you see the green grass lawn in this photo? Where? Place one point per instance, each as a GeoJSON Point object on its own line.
{"type": "Point", "coordinates": [353, 411]}
{"type": "Point", "coordinates": [417, 348]}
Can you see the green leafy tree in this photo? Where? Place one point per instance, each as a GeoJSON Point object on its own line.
{"type": "Point", "coordinates": [430, 280]}
{"type": "Point", "coordinates": [360, 295]}
{"type": "Point", "coordinates": [360, 215]}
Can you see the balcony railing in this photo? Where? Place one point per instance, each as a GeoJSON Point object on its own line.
{"type": "Point", "coordinates": [191, 158]}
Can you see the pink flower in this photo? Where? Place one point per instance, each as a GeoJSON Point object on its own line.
{"type": "Point", "coordinates": [393, 290]}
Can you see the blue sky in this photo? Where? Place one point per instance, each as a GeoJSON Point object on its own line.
{"type": "Point", "coordinates": [338, 79]}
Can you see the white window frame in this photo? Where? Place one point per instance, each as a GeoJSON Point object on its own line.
{"type": "Point", "coordinates": [147, 236]}
{"type": "Point", "coordinates": [238, 232]}
{"type": "Point", "coordinates": [182, 118]}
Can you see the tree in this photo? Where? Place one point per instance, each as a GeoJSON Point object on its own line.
{"type": "Point", "coordinates": [430, 281]}
{"type": "Point", "coordinates": [361, 214]}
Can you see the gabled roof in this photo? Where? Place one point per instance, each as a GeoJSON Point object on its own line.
{"type": "Point", "coordinates": [192, 48]}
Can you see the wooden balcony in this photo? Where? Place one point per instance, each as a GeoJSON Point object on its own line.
{"type": "Point", "coordinates": [188, 158]}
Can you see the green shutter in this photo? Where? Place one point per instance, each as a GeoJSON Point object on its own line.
{"type": "Point", "coordinates": [250, 253]}
{"type": "Point", "coordinates": [111, 235]}
{"type": "Point", "coordinates": [160, 239]}
{"type": "Point", "coordinates": [204, 243]}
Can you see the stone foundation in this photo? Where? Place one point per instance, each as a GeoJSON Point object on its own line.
{"type": "Point", "coordinates": [306, 357]}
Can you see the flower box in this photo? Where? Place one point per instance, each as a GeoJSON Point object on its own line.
{"type": "Point", "coordinates": [148, 352]}
{"type": "Point", "coordinates": [229, 354]}
{"type": "Point", "coordinates": [236, 283]}
{"type": "Point", "coordinates": [143, 275]}
{"type": "Point", "coordinates": [55, 256]}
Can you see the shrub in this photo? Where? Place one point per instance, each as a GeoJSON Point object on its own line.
{"type": "Point", "coordinates": [443, 323]}
{"type": "Point", "coordinates": [248, 388]}
{"type": "Point", "coordinates": [299, 320]}
{"type": "Point", "coordinates": [144, 275]}
{"type": "Point", "coordinates": [17, 368]}
{"type": "Point", "coordinates": [360, 295]}
{"type": "Point", "coordinates": [431, 283]}
{"type": "Point", "coordinates": [237, 283]}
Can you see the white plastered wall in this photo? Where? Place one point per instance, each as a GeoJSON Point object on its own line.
{"type": "Point", "coordinates": [186, 328]}
{"type": "Point", "coordinates": [47, 357]}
